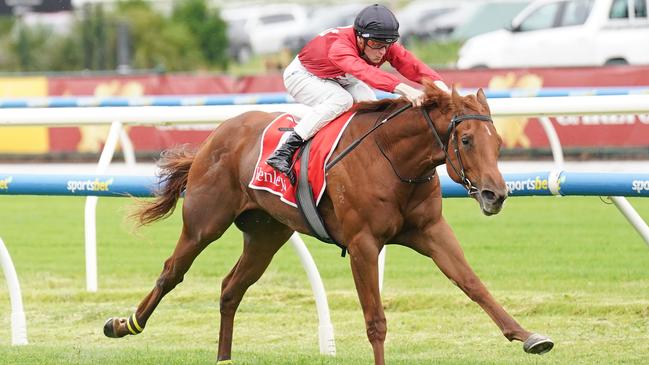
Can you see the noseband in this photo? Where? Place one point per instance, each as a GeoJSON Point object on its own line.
{"type": "Point", "coordinates": [459, 170]}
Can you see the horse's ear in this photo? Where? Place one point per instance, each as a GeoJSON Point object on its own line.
{"type": "Point", "coordinates": [454, 93]}
{"type": "Point", "coordinates": [456, 100]}
{"type": "Point", "coordinates": [482, 98]}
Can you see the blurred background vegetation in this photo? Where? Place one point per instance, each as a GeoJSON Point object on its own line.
{"type": "Point", "coordinates": [191, 37]}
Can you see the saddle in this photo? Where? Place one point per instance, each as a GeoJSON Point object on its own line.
{"type": "Point", "coordinates": [309, 168]}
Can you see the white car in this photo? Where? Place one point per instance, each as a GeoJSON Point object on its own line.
{"type": "Point", "coordinates": [551, 33]}
{"type": "Point", "coordinates": [418, 19]}
{"type": "Point", "coordinates": [266, 26]}
{"type": "Point", "coordinates": [321, 19]}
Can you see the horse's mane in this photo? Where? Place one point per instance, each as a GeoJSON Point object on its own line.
{"type": "Point", "coordinates": [377, 105]}
{"type": "Point", "coordinates": [434, 96]}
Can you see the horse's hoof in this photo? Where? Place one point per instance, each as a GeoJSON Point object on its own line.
{"type": "Point", "coordinates": [109, 328]}
{"type": "Point", "coordinates": [538, 344]}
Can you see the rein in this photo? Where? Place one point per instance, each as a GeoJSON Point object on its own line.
{"type": "Point", "coordinates": [354, 144]}
{"type": "Point", "coordinates": [455, 121]}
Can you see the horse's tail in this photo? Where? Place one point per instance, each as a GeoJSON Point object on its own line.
{"type": "Point", "coordinates": [174, 167]}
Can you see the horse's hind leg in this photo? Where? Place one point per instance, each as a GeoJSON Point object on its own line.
{"type": "Point", "coordinates": [263, 236]}
{"type": "Point", "coordinates": [207, 213]}
{"type": "Point", "coordinates": [439, 242]}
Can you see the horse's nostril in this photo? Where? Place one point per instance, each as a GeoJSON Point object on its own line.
{"type": "Point", "coordinates": [488, 195]}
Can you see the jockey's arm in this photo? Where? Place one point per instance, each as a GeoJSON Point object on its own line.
{"type": "Point", "coordinates": [346, 58]}
{"type": "Point", "coordinates": [412, 68]}
{"type": "Point", "coordinates": [416, 96]}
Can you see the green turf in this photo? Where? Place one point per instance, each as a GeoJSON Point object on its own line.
{"type": "Point", "coordinates": [572, 268]}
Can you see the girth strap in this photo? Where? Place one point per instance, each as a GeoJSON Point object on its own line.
{"type": "Point", "coordinates": [307, 205]}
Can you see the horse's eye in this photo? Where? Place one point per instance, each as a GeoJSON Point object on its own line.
{"type": "Point", "coordinates": [465, 140]}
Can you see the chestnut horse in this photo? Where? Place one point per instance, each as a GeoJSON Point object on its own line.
{"type": "Point", "coordinates": [383, 191]}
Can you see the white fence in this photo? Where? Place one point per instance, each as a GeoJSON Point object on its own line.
{"type": "Point", "coordinates": [160, 115]}
{"type": "Point", "coordinates": [548, 106]}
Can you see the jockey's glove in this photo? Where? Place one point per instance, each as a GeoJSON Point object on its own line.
{"type": "Point", "coordinates": [442, 86]}
{"type": "Point", "coordinates": [415, 96]}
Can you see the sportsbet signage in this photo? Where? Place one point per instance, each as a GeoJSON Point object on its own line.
{"type": "Point", "coordinates": [95, 185]}
{"type": "Point", "coordinates": [78, 185]}
{"type": "Point", "coordinates": [537, 185]}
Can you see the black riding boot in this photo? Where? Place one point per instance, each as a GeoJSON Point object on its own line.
{"type": "Point", "coordinates": [282, 158]}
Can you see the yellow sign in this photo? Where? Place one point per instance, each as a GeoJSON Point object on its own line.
{"type": "Point", "coordinates": [23, 139]}
{"type": "Point", "coordinates": [93, 137]}
{"type": "Point", "coordinates": [22, 87]}
{"type": "Point", "coordinates": [512, 129]}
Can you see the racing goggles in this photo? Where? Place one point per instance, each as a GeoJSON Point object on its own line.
{"type": "Point", "coordinates": [374, 44]}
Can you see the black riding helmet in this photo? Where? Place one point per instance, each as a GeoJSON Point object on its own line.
{"type": "Point", "coordinates": [377, 22]}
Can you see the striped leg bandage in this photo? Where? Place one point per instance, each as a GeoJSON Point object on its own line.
{"type": "Point", "coordinates": [133, 326]}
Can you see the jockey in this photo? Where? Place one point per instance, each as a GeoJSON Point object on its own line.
{"type": "Point", "coordinates": [334, 69]}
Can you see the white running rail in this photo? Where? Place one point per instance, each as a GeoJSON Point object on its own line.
{"type": "Point", "coordinates": [160, 115]}
{"type": "Point", "coordinates": [18, 322]}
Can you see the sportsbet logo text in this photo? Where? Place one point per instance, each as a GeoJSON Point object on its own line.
{"type": "Point", "coordinates": [89, 185]}
{"type": "Point", "coordinates": [525, 185]}
{"type": "Point", "coordinates": [4, 183]}
{"type": "Point", "coordinates": [637, 185]}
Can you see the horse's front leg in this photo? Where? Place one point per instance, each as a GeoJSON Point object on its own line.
{"type": "Point", "coordinates": [439, 242]}
{"type": "Point", "coordinates": [363, 253]}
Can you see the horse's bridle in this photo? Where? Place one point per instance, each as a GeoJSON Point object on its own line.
{"type": "Point", "coordinates": [452, 126]}
{"type": "Point", "coordinates": [459, 170]}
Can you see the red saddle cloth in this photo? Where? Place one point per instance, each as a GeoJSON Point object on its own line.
{"type": "Point", "coordinates": [322, 146]}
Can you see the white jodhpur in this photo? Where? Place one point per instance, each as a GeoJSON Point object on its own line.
{"type": "Point", "coordinates": [328, 98]}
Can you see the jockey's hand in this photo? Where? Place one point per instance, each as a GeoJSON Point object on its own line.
{"type": "Point", "coordinates": [442, 86]}
{"type": "Point", "coordinates": [415, 96]}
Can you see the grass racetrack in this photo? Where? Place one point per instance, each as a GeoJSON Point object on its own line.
{"type": "Point", "coordinates": [572, 268]}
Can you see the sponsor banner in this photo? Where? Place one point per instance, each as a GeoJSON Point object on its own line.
{"type": "Point", "coordinates": [13, 87]}
{"type": "Point", "coordinates": [640, 186]}
{"type": "Point", "coordinates": [564, 183]}
{"type": "Point", "coordinates": [574, 132]}
{"type": "Point", "coordinates": [23, 140]}
{"type": "Point", "coordinates": [533, 183]}
{"type": "Point", "coordinates": [549, 77]}
{"type": "Point", "coordinates": [91, 139]}
{"type": "Point", "coordinates": [496, 79]}
{"type": "Point", "coordinates": [591, 183]}
{"type": "Point", "coordinates": [78, 185]}
{"type": "Point", "coordinates": [618, 131]}
{"type": "Point", "coordinates": [527, 184]}
{"type": "Point", "coordinates": [522, 184]}
{"type": "Point", "coordinates": [140, 85]}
